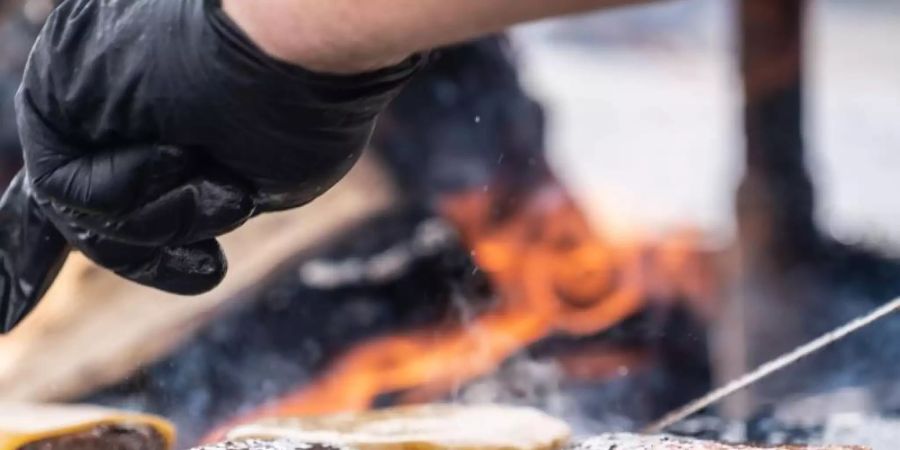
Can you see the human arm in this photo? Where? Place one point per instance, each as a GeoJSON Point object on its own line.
{"type": "Point", "coordinates": [151, 127]}
{"type": "Point", "coordinates": [347, 36]}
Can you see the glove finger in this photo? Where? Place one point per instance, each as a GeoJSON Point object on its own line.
{"type": "Point", "coordinates": [180, 269]}
{"type": "Point", "coordinates": [114, 181]}
{"type": "Point", "coordinates": [201, 209]}
{"type": "Point", "coordinates": [187, 269]}
{"type": "Point", "coordinates": [32, 252]}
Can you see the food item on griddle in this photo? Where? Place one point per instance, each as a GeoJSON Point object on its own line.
{"type": "Point", "coordinates": [626, 441]}
{"type": "Point", "coordinates": [268, 444]}
{"type": "Point", "coordinates": [74, 427]}
{"type": "Point", "coordinates": [432, 427]}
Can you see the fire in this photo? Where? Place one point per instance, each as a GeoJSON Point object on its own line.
{"type": "Point", "coordinates": [552, 273]}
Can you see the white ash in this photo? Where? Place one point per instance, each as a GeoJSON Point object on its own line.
{"type": "Point", "coordinates": [627, 441]}
{"type": "Point", "coordinates": [875, 432]}
{"type": "Point", "coordinates": [524, 381]}
{"type": "Point", "coordinates": [705, 427]}
{"type": "Point", "coordinates": [819, 408]}
{"type": "Point", "coordinates": [430, 238]}
{"type": "Point", "coordinates": [269, 444]}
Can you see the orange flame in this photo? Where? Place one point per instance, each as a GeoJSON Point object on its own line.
{"type": "Point", "coordinates": [552, 274]}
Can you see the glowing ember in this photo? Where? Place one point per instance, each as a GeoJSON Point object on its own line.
{"type": "Point", "coordinates": [552, 273]}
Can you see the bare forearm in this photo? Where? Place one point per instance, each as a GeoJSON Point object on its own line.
{"type": "Point", "coordinates": [357, 35]}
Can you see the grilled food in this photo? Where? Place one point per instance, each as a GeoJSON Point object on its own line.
{"type": "Point", "coordinates": [58, 427]}
{"type": "Point", "coordinates": [433, 427]}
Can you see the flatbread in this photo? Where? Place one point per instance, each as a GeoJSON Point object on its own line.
{"type": "Point", "coordinates": [432, 427]}
{"type": "Point", "coordinates": [27, 425]}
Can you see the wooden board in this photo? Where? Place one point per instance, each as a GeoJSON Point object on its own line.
{"type": "Point", "coordinates": [94, 328]}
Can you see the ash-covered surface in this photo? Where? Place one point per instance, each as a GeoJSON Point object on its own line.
{"type": "Point", "coordinates": [625, 441]}
{"type": "Point", "coordinates": [269, 444]}
{"type": "Point", "coordinates": [763, 429]}
{"type": "Point", "coordinates": [871, 431]}
{"type": "Point", "coordinates": [875, 432]}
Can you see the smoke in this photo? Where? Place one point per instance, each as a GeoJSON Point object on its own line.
{"type": "Point", "coordinates": [542, 384]}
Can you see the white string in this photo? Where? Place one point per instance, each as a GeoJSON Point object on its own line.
{"type": "Point", "coordinates": [772, 366]}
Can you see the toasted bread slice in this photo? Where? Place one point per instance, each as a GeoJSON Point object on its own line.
{"type": "Point", "coordinates": [432, 427]}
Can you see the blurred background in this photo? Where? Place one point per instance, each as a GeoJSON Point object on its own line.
{"type": "Point", "coordinates": [601, 216]}
{"type": "Point", "coordinates": [653, 93]}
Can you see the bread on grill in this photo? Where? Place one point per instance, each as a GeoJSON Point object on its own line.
{"type": "Point", "coordinates": [69, 427]}
{"type": "Point", "coordinates": [432, 427]}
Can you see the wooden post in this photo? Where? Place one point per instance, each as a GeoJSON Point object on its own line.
{"type": "Point", "coordinates": [775, 199]}
{"type": "Point", "coordinates": [763, 314]}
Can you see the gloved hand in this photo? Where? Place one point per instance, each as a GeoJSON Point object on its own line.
{"type": "Point", "coordinates": [151, 126]}
{"type": "Point", "coordinates": [31, 252]}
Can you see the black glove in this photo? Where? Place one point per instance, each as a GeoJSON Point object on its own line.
{"type": "Point", "coordinates": [152, 126]}
{"type": "Point", "coordinates": [31, 253]}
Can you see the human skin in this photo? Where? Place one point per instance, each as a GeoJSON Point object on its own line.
{"type": "Point", "coordinates": [350, 36]}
